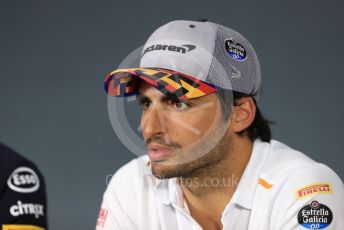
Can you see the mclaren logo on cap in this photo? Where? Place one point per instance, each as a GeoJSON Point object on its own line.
{"type": "Point", "coordinates": [180, 49]}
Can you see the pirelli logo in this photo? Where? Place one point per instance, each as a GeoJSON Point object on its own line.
{"type": "Point", "coordinates": [313, 189]}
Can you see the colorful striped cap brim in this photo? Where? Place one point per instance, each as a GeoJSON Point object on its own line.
{"type": "Point", "coordinates": [125, 82]}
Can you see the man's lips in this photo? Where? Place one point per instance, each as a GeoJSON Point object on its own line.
{"type": "Point", "coordinates": [158, 152]}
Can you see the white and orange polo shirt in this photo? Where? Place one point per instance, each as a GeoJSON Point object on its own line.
{"type": "Point", "coordinates": [281, 188]}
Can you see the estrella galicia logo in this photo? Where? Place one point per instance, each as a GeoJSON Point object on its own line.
{"type": "Point", "coordinates": [235, 50]}
{"type": "Point", "coordinates": [23, 180]}
{"type": "Point", "coordinates": [180, 49]}
{"type": "Point", "coordinates": [315, 216]}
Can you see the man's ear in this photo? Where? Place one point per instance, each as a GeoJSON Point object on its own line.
{"type": "Point", "coordinates": [243, 113]}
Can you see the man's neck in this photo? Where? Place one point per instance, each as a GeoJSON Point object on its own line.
{"type": "Point", "coordinates": [208, 190]}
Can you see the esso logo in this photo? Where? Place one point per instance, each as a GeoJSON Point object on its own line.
{"type": "Point", "coordinates": [23, 180]}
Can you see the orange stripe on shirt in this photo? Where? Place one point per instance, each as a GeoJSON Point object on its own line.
{"type": "Point", "coordinates": [264, 183]}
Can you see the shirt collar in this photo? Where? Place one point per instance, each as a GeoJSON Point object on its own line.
{"type": "Point", "coordinates": [169, 191]}
{"type": "Point", "coordinates": [248, 183]}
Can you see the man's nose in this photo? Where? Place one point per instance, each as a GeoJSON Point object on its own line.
{"type": "Point", "coordinates": [153, 122]}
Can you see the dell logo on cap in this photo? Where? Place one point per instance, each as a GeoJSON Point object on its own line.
{"type": "Point", "coordinates": [180, 49]}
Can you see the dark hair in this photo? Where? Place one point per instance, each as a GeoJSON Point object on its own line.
{"type": "Point", "coordinates": [259, 128]}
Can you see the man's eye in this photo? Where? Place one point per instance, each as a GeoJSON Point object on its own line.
{"type": "Point", "coordinates": [181, 105]}
{"type": "Point", "coordinates": [146, 104]}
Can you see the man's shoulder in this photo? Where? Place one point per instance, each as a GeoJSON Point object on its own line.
{"type": "Point", "coordinates": [283, 160]}
{"type": "Point", "coordinates": [280, 153]}
{"type": "Point", "coordinates": [291, 182]}
{"type": "Point", "coordinates": [21, 185]}
{"type": "Point", "coordinates": [291, 169]}
{"type": "Point", "coordinates": [11, 161]}
{"type": "Point", "coordinates": [131, 175]}
{"type": "Point", "coordinates": [10, 157]}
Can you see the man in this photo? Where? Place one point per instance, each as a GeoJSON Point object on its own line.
{"type": "Point", "coordinates": [211, 163]}
{"type": "Point", "coordinates": [22, 193]}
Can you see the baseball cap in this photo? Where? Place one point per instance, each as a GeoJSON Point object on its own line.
{"type": "Point", "coordinates": [189, 59]}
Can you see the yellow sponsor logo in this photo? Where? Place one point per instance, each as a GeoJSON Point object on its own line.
{"type": "Point", "coordinates": [313, 189]}
{"type": "Point", "coordinates": [21, 227]}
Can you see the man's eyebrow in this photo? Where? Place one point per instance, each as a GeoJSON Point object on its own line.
{"type": "Point", "coordinates": [165, 98]}
{"type": "Point", "coordinates": [140, 96]}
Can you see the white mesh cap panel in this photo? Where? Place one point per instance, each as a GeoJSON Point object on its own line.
{"type": "Point", "coordinates": [230, 73]}
{"type": "Point", "coordinates": [209, 60]}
